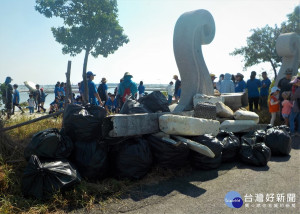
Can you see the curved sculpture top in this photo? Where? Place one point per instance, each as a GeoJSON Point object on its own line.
{"type": "Point", "coordinates": [288, 46]}
{"type": "Point", "coordinates": [192, 30]}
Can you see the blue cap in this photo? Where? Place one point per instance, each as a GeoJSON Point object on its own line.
{"type": "Point", "coordinates": [89, 73]}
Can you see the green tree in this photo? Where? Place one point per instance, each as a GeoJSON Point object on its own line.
{"type": "Point", "coordinates": [260, 48]}
{"type": "Point", "coordinates": [293, 22]}
{"type": "Point", "coordinates": [89, 25]}
{"type": "Point", "coordinates": [261, 45]}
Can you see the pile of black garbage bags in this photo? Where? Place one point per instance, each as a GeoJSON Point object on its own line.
{"type": "Point", "coordinates": [59, 159]}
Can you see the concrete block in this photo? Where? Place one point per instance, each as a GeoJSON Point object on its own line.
{"type": "Point", "coordinates": [202, 98]}
{"type": "Point", "coordinates": [125, 125]}
{"type": "Point", "coordinates": [205, 111]}
{"type": "Point", "coordinates": [223, 110]}
{"type": "Point", "coordinates": [187, 126]}
{"type": "Point", "coordinates": [238, 125]}
{"type": "Point", "coordinates": [246, 115]}
{"type": "Point", "coordinates": [233, 100]}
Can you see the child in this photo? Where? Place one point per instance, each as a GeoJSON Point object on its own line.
{"type": "Point", "coordinates": [16, 99]}
{"type": "Point", "coordinates": [31, 104]}
{"type": "Point", "coordinates": [111, 104]}
{"type": "Point", "coordinates": [286, 107]}
{"type": "Point", "coordinates": [274, 104]}
{"type": "Point", "coordinates": [170, 90]}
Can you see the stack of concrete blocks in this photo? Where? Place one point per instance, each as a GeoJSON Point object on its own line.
{"type": "Point", "coordinates": [238, 121]}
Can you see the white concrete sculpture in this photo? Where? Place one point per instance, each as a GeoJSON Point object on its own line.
{"type": "Point", "coordinates": [192, 30]}
{"type": "Point", "coordinates": [288, 46]}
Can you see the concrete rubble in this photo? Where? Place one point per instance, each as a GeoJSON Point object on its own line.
{"type": "Point", "coordinates": [188, 126]}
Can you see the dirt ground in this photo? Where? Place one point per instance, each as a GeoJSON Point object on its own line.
{"type": "Point", "coordinates": [204, 191]}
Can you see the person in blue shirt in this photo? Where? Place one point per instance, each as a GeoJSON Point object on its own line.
{"type": "Point", "coordinates": [264, 91]}
{"type": "Point", "coordinates": [102, 90]}
{"type": "Point", "coordinates": [62, 89]}
{"type": "Point", "coordinates": [141, 89]}
{"type": "Point", "coordinates": [111, 104]}
{"type": "Point", "coordinates": [240, 84]}
{"type": "Point", "coordinates": [16, 99]}
{"type": "Point", "coordinates": [93, 95]}
{"type": "Point", "coordinates": [54, 105]}
{"type": "Point", "coordinates": [253, 85]}
{"type": "Point", "coordinates": [127, 88]}
{"type": "Point", "coordinates": [57, 89]}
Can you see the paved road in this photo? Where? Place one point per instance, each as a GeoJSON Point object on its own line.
{"type": "Point", "coordinates": [204, 191]}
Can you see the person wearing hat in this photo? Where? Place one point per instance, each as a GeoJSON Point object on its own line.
{"type": "Point", "coordinates": [295, 111]}
{"type": "Point", "coordinates": [102, 90]}
{"type": "Point", "coordinates": [127, 88]}
{"type": "Point", "coordinates": [7, 93]}
{"type": "Point", "coordinates": [264, 91]}
{"type": "Point", "coordinates": [227, 85]}
{"type": "Point", "coordinates": [177, 90]}
{"type": "Point", "coordinates": [16, 99]}
{"type": "Point", "coordinates": [93, 95]}
{"type": "Point", "coordinates": [213, 77]}
{"type": "Point", "coordinates": [253, 94]}
{"type": "Point", "coordinates": [274, 104]}
{"type": "Point", "coordinates": [240, 84]}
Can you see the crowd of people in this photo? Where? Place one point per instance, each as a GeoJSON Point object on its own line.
{"type": "Point", "coordinates": [283, 99]}
{"type": "Point", "coordinates": [280, 100]}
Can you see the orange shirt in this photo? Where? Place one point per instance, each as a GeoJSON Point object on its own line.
{"type": "Point", "coordinates": [275, 107]}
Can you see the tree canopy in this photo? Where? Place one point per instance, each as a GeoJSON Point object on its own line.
{"type": "Point", "coordinates": [89, 25]}
{"type": "Point", "coordinates": [261, 45]}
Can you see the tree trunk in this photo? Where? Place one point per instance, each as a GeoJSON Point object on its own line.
{"type": "Point", "coordinates": [69, 95]}
{"type": "Point", "coordinates": [274, 69]}
{"type": "Point", "coordinates": [85, 83]}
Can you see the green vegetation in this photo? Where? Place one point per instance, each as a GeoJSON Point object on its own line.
{"type": "Point", "coordinates": [261, 44]}
{"type": "Point", "coordinates": [90, 25]}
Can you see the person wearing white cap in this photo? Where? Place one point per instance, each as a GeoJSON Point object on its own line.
{"type": "Point", "coordinates": [295, 112]}
{"type": "Point", "coordinates": [274, 104]}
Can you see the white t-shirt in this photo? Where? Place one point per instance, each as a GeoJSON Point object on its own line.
{"type": "Point", "coordinates": [170, 90]}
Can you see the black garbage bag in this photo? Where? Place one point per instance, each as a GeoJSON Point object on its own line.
{"type": "Point", "coordinates": [49, 143]}
{"type": "Point", "coordinates": [260, 136]}
{"type": "Point", "coordinates": [281, 127]}
{"type": "Point", "coordinates": [133, 107]}
{"type": "Point", "coordinates": [80, 125]}
{"type": "Point", "coordinates": [279, 141]}
{"type": "Point", "coordinates": [253, 153]}
{"type": "Point", "coordinates": [155, 101]}
{"type": "Point", "coordinates": [131, 158]}
{"type": "Point", "coordinates": [97, 111]}
{"type": "Point", "coordinates": [42, 178]}
{"type": "Point", "coordinates": [91, 159]}
{"type": "Point", "coordinates": [167, 155]}
{"type": "Point", "coordinates": [200, 161]}
{"type": "Point", "coordinates": [231, 146]}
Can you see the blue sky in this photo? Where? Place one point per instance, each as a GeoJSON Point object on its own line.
{"type": "Point", "coordinates": [30, 52]}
